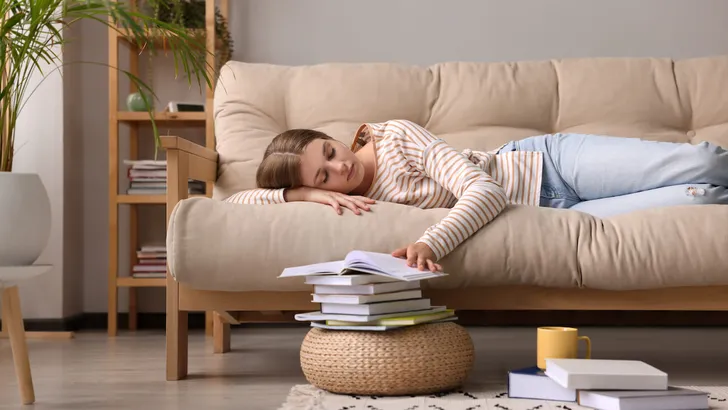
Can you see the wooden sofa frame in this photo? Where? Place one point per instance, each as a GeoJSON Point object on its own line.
{"type": "Point", "coordinates": [188, 160]}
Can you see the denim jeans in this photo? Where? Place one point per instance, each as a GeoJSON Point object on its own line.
{"type": "Point", "coordinates": [604, 175]}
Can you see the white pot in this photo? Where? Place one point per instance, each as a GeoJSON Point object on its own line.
{"type": "Point", "coordinates": [25, 218]}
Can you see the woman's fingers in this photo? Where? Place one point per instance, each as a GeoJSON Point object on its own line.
{"type": "Point", "coordinates": [349, 204]}
{"type": "Point", "coordinates": [365, 199]}
{"type": "Point", "coordinates": [361, 204]}
{"type": "Point", "coordinates": [335, 204]}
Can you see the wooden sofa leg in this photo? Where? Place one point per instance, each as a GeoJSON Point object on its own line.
{"type": "Point", "coordinates": [13, 322]}
{"type": "Point", "coordinates": [221, 332]}
{"type": "Point", "coordinates": [177, 349]}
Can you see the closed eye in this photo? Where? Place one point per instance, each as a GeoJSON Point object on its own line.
{"type": "Point", "coordinates": [329, 157]}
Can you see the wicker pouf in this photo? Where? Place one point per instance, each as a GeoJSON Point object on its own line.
{"type": "Point", "coordinates": [419, 359]}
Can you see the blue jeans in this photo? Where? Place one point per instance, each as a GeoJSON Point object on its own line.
{"type": "Point", "coordinates": [604, 175]}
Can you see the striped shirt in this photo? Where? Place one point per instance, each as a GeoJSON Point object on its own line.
{"type": "Point", "coordinates": [419, 169]}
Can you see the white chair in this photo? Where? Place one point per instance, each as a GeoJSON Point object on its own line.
{"type": "Point", "coordinates": [13, 323]}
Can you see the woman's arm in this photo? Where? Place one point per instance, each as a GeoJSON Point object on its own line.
{"type": "Point", "coordinates": [480, 198]}
{"type": "Point", "coordinates": [278, 196]}
{"type": "Point", "coordinates": [258, 197]}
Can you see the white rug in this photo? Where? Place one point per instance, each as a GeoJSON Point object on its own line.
{"type": "Point", "coordinates": [307, 397]}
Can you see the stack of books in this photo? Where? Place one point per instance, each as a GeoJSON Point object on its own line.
{"type": "Point", "coordinates": [368, 291]}
{"type": "Point", "coordinates": [149, 177]}
{"type": "Point", "coordinates": [152, 262]}
{"type": "Point", "coordinates": [603, 385]}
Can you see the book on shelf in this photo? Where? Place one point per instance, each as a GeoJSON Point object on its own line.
{"type": "Point", "coordinates": [603, 384]}
{"type": "Point", "coordinates": [152, 262]}
{"type": "Point", "coordinates": [149, 177]}
{"type": "Point", "coordinates": [368, 291]}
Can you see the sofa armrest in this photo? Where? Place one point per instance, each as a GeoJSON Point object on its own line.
{"type": "Point", "coordinates": [186, 160]}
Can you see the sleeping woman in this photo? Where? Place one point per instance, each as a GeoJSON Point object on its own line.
{"type": "Point", "coordinates": [399, 161]}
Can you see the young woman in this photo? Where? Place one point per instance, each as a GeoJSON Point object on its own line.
{"type": "Point", "coordinates": [400, 161]}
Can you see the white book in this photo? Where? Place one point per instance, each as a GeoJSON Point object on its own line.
{"type": "Point", "coordinates": [375, 263]}
{"type": "Point", "coordinates": [605, 374]}
{"type": "Point", "coordinates": [320, 317]}
{"type": "Point", "coordinates": [369, 289]}
{"type": "Point", "coordinates": [347, 280]}
{"type": "Point", "coordinates": [361, 299]}
{"type": "Point", "coordinates": [376, 308]}
{"type": "Point", "coordinates": [672, 399]}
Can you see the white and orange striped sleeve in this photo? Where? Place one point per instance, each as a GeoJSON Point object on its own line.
{"type": "Point", "coordinates": [258, 197]}
{"type": "Point", "coordinates": [480, 198]}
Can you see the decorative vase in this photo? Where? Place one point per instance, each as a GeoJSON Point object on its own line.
{"type": "Point", "coordinates": [25, 218]}
{"type": "Point", "coordinates": [135, 102]}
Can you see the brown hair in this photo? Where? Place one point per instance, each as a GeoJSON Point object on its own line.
{"type": "Point", "coordinates": [281, 165]}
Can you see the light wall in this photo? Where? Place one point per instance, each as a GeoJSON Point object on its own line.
{"type": "Point", "coordinates": [411, 31]}
{"type": "Point", "coordinates": [48, 143]}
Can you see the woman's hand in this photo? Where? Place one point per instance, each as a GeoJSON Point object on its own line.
{"type": "Point", "coordinates": [334, 199]}
{"type": "Point", "coordinates": [420, 255]}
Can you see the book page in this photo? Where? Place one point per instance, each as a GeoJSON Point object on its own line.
{"type": "Point", "coordinates": [324, 268]}
{"type": "Point", "coordinates": [387, 265]}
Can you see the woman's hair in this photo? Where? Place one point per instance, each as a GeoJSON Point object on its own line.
{"type": "Point", "coordinates": [281, 165]}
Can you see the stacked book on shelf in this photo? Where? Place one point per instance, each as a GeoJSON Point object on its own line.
{"type": "Point", "coordinates": [368, 291]}
{"type": "Point", "coordinates": [603, 384]}
{"type": "Point", "coordinates": [149, 177]}
{"type": "Point", "coordinates": [152, 262]}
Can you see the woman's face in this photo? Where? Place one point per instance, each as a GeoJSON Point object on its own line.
{"type": "Point", "coordinates": [330, 165]}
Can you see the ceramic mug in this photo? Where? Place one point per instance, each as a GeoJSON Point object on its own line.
{"type": "Point", "coordinates": [559, 343]}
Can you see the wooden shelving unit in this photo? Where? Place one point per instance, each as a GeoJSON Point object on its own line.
{"type": "Point", "coordinates": [119, 116]}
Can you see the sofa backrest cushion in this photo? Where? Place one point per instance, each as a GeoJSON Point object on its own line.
{"type": "Point", "coordinates": [473, 105]}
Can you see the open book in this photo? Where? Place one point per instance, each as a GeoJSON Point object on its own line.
{"type": "Point", "coordinates": [375, 263]}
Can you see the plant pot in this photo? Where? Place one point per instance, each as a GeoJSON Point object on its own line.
{"type": "Point", "coordinates": [25, 218]}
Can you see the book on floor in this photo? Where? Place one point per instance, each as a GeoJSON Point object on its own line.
{"type": "Point", "coordinates": [532, 383]}
{"type": "Point", "coordinates": [375, 263]}
{"type": "Point", "coordinates": [672, 399]}
{"type": "Point", "coordinates": [605, 374]}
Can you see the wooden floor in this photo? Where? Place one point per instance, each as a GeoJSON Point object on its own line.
{"type": "Point", "coordinates": [93, 371]}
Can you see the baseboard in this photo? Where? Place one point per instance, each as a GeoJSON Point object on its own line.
{"type": "Point", "coordinates": [98, 321]}
{"type": "Point", "coordinates": [156, 321]}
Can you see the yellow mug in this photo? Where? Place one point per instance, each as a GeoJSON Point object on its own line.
{"type": "Point", "coordinates": [559, 343]}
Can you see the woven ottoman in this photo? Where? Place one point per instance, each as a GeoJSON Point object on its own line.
{"type": "Point", "coordinates": [420, 359]}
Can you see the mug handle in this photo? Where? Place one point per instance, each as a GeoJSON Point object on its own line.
{"type": "Point", "coordinates": [588, 345]}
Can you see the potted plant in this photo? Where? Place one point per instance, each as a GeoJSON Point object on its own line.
{"type": "Point", "coordinates": [30, 33]}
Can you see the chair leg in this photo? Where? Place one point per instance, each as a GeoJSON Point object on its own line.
{"type": "Point", "coordinates": [177, 349]}
{"type": "Point", "coordinates": [220, 334]}
{"type": "Point", "coordinates": [13, 322]}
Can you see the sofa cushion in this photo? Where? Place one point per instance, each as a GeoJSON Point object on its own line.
{"type": "Point", "coordinates": [472, 105]}
{"type": "Point", "coordinates": [213, 245]}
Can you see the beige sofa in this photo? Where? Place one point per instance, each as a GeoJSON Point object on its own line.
{"type": "Point", "coordinates": [226, 257]}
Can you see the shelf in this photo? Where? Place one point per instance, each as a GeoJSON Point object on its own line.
{"type": "Point", "coordinates": [147, 199]}
{"type": "Point", "coordinates": [131, 282]}
{"type": "Point", "coordinates": [160, 41]}
{"type": "Point", "coordinates": [132, 116]}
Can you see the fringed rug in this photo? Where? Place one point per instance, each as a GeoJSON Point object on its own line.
{"type": "Point", "coordinates": [307, 397]}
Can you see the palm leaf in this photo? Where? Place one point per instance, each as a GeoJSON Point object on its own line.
{"type": "Point", "coordinates": [30, 33]}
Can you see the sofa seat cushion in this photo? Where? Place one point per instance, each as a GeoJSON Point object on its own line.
{"type": "Point", "coordinates": [213, 245]}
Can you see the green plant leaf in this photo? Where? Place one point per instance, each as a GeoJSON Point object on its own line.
{"type": "Point", "coordinates": [30, 35]}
